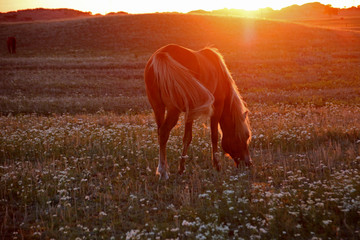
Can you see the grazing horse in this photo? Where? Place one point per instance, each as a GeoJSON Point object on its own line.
{"type": "Point", "coordinates": [198, 83]}
{"type": "Point", "coordinates": [11, 44]}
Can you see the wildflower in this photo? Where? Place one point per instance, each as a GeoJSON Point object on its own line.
{"type": "Point", "coordinates": [310, 202]}
{"type": "Point", "coordinates": [186, 223]}
{"type": "Point", "coordinates": [102, 213]}
{"type": "Point", "coordinates": [251, 227]}
{"type": "Point", "coordinates": [321, 205]}
{"type": "Point", "coordinates": [228, 192]}
{"type": "Point", "coordinates": [171, 206]}
{"type": "Point", "coordinates": [204, 195]}
{"type": "Point", "coordinates": [326, 222]}
{"type": "Point", "coordinates": [132, 234]}
{"type": "Point", "coordinates": [200, 236]}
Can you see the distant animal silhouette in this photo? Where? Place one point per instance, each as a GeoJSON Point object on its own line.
{"type": "Point", "coordinates": [198, 83]}
{"type": "Point", "coordinates": [11, 45]}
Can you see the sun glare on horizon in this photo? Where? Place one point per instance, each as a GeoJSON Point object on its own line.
{"type": "Point", "coordinates": [140, 6]}
{"type": "Point", "coordinates": [190, 5]}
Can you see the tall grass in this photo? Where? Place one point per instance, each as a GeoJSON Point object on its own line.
{"type": "Point", "coordinates": [93, 176]}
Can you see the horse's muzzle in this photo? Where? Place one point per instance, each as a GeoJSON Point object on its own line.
{"type": "Point", "coordinates": [247, 160]}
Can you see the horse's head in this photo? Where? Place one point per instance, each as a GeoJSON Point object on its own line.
{"type": "Point", "coordinates": [236, 143]}
{"type": "Point", "coordinates": [237, 149]}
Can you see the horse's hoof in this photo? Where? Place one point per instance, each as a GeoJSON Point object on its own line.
{"type": "Point", "coordinates": [163, 173]}
{"type": "Point", "coordinates": [163, 176]}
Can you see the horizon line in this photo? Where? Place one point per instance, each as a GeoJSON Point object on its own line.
{"type": "Point", "coordinates": [185, 12]}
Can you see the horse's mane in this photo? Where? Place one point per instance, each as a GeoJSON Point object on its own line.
{"type": "Point", "coordinates": [238, 109]}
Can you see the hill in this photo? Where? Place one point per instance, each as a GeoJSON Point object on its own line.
{"type": "Point", "coordinates": [42, 14]}
{"type": "Point", "coordinates": [111, 35]}
{"type": "Point", "coordinates": [105, 56]}
{"type": "Point", "coordinates": [305, 11]}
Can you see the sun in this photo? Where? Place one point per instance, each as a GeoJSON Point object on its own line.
{"type": "Point", "coordinates": [255, 4]}
{"type": "Point", "coordinates": [248, 5]}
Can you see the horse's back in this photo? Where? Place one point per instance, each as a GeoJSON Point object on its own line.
{"type": "Point", "coordinates": [182, 55]}
{"type": "Point", "coordinates": [172, 77]}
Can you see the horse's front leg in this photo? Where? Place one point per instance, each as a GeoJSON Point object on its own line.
{"type": "Point", "coordinates": [186, 142]}
{"type": "Point", "coordinates": [171, 119]}
{"type": "Point", "coordinates": [214, 141]}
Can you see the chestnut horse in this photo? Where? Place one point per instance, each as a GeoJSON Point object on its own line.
{"type": "Point", "coordinates": [198, 83]}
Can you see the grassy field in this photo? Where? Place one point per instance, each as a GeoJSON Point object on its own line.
{"type": "Point", "coordinates": [78, 143]}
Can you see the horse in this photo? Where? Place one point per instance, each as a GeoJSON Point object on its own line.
{"type": "Point", "coordinates": [11, 45]}
{"type": "Point", "coordinates": [198, 83]}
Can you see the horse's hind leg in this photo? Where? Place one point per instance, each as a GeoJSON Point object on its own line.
{"type": "Point", "coordinates": [171, 119]}
{"type": "Point", "coordinates": [186, 142]}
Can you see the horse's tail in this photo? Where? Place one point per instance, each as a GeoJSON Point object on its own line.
{"type": "Point", "coordinates": [180, 88]}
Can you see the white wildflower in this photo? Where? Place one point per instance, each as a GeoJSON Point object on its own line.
{"type": "Point", "coordinates": [228, 192]}
{"type": "Point", "coordinates": [132, 234]}
{"type": "Point", "coordinates": [326, 222]}
{"type": "Point", "coordinates": [262, 230]}
{"type": "Point", "coordinates": [102, 213]}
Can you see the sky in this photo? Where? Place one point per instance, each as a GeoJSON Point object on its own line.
{"type": "Point", "coordinates": [148, 6]}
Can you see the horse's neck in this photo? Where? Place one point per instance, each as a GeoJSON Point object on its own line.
{"type": "Point", "coordinates": [227, 121]}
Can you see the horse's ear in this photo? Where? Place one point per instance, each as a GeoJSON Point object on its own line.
{"type": "Point", "coordinates": [246, 114]}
